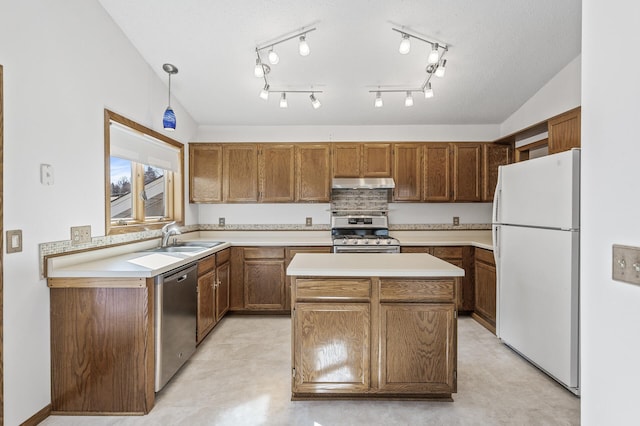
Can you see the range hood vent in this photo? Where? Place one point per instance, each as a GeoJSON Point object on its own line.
{"type": "Point", "coordinates": [363, 183]}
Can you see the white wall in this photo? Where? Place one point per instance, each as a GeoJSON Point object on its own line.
{"type": "Point", "coordinates": [64, 62]}
{"type": "Point", "coordinates": [610, 310]}
{"type": "Point", "coordinates": [560, 94]}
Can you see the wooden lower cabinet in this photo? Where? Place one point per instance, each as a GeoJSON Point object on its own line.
{"type": "Point", "coordinates": [485, 289]}
{"type": "Point", "coordinates": [222, 289]}
{"type": "Point", "coordinates": [264, 278]}
{"type": "Point", "coordinates": [374, 337]}
{"type": "Point", "coordinates": [213, 292]}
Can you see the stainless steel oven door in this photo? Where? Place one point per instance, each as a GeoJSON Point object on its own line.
{"type": "Point", "coordinates": [366, 249]}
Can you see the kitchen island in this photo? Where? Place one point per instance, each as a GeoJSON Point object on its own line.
{"type": "Point", "coordinates": [373, 326]}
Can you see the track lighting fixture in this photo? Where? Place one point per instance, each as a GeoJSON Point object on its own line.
{"type": "Point", "coordinates": [408, 101]}
{"type": "Point", "coordinates": [440, 70]}
{"type": "Point", "coordinates": [303, 46]}
{"type": "Point", "coordinates": [405, 44]}
{"type": "Point", "coordinates": [261, 69]}
{"type": "Point", "coordinates": [273, 57]}
{"type": "Point", "coordinates": [378, 102]}
{"type": "Point", "coordinates": [169, 117]}
{"type": "Point", "coordinates": [434, 55]}
{"type": "Point", "coordinates": [264, 93]}
{"type": "Point", "coordinates": [283, 100]}
{"type": "Point", "coordinates": [428, 91]}
{"type": "Point", "coordinates": [314, 101]}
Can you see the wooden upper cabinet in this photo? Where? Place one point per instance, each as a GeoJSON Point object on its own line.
{"type": "Point", "coordinates": [407, 171]}
{"type": "Point", "coordinates": [240, 170]}
{"type": "Point", "coordinates": [205, 173]}
{"type": "Point", "coordinates": [276, 165]}
{"type": "Point", "coordinates": [313, 173]}
{"type": "Point", "coordinates": [437, 172]}
{"type": "Point", "coordinates": [376, 160]}
{"type": "Point", "coordinates": [564, 131]}
{"type": "Point", "coordinates": [353, 160]}
{"type": "Point", "coordinates": [493, 156]}
{"type": "Point", "coordinates": [347, 160]}
{"type": "Point", "coordinates": [467, 171]}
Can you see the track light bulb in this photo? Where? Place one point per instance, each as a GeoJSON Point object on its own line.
{"type": "Point", "coordinates": [283, 100]}
{"type": "Point", "coordinates": [405, 44]}
{"type": "Point", "coordinates": [440, 70]}
{"type": "Point", "coordinates": [434, 55]}
{"type": "Point", "coordinates": [264, 93]}
{"type": "Point", "coordinates": [303, 47]}
{"type": "Point", "coordinates": [258, 71]}
{"type": "Point", "coordinates": [408, 101]}
{"type": "Point", "coordinates": [314, 101]}
{"type": "Point", "coordinates": [428, 91]}
{"type": "Point", "coordinates": [378, 102]}
{"type": "Point", "coordinates": [273, 57]}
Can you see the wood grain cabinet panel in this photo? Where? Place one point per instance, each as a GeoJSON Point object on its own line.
{"type": "Point", "coordinates": [206, 305]}
{"type": "Point", "coordinates": [240, 173]}
{"type": "Point", "coordinates": [290, 252]}
{"type": "Point", "coordinates": [376, 160]}
{"type": "Point", "coordinates": [407, 172]}
{"type": "Point", "coordinates": [313, 173]}
{"type": "Point", "coordinates": [417, 347]}
{"type": "Point", "coordinates": [493, 156]}
{"type": "Point", "coordinates": [222, 290]}
{"type": "Point", "coordinates": [437, 172]}
{"type": "Point", "coordinates": [205, 173]}
{"type": "Point", "coordinates": [264, 282]}
{"type": "Point", "coordinates": [467, 172]}
{"type": "Point", "coordinates": [485, 289]}
{"type": "Point", "coordinates": [347, 160]}
{"type": "Point", "coordinates": [332, 347]}
{"type": "Point", "coordinates": [564, 131]}
{"type": "Point", "coordinates": [277, 180]}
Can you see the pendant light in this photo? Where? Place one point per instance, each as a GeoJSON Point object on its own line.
{"type": "Point", "coordinates": [169, 117]}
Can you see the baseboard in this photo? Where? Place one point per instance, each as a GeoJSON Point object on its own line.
{"type": "Point", "coordinates": [38, 417]}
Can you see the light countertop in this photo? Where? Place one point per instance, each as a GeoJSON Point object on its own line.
{"type": "Point", "coordinates": [133, 261]}
{"type": "Point", "coordinates": [372, 265]}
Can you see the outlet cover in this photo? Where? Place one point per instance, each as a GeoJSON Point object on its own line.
{"type": "Point", "coordinates": [308, 221]}
{"type": "Point", "coordinates": [625, 265]}
{"type": "Point", "coordinates": [221, 221]}
{"type": "Point", "coordinates": [80, 235]}
{"type": "Point", "coordinates": [456, 221]}
{"type": "Point", "coordinates": [14, 241]}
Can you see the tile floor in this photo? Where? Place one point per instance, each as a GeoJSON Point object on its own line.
{"type": "Point", "coordinates": [240, 375]}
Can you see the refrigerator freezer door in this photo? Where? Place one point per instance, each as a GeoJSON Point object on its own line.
{"type": "Point", "coordinates": [542, 192]}
{"type": "Point", "coordinates": [538, 298]}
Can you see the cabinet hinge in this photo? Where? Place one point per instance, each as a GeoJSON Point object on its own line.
{"type": "Point", "coordinates": [455, 374]}
{"type": "Point", "coordinates": [293, 372]}
{"type": "Point", "coordinates": [455, 314]}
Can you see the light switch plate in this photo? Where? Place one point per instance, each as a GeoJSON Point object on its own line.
{"type": "Point", "coordinates": [625, 265]}
{"type": "Point", "coordinates": [14, 241]}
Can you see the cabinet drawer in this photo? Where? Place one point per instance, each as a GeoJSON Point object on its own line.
{"type": "Point", "coordinates": [206, 264]}
{"type": "Point", "coordinates": [223, 256]}
{"type": "Point", "coordinates": [485, 256]}
{"type": "Point", "coordinates": [417, 290]}
{"type": "Point", "coordinates": [448, 252]}
{"type": "Point", "coordinates": [333, 289]}
{"type": "Point", "coordinates": [264, 253]}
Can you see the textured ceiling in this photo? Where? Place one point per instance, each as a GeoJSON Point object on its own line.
{"type": "Point", "coordinates": [501, 52]}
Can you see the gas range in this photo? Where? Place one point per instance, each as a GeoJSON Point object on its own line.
{"type": "Point", "coordinates": [362, 234]}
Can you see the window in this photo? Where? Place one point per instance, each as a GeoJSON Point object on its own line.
{"type": "Point", "coordinates": [143, 176]}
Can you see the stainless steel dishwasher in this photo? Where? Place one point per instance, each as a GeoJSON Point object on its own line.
{"type": "Point", "coordinates": [175, 321]}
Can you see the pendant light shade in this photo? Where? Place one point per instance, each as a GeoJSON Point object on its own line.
{"type": "Point", "coordinates": [169, 117]}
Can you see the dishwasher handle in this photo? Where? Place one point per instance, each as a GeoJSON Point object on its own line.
{"type": "Point", "coordinates": [182, 278]}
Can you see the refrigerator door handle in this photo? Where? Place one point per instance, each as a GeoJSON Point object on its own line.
{"type": "Point", "coordinates": [496, 196]}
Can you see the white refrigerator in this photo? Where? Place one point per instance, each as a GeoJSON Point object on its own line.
{"type": "Point", "coordinates": [536, 238]}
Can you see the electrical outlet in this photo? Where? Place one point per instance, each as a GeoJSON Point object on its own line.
{"type": "Point", "coordinates": [626, 264]}
{"type": "Point", "coordinates": [80, 235]}
{"type": "Point", "coordinates": [456, 221]}
{"type": "Point", "coordinates": [14, 241]}
{"type": "Point", "coordinates": [221, 221]}
{"type": "Point", "coordinates": [308, 221]}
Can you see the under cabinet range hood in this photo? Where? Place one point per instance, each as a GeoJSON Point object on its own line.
{"type": "Point", "coordinates": [363, 183]}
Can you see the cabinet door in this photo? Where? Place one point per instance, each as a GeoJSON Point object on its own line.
{"type": "Point", "coordinates": [222, 290]}
{"type": "Point", "coordinates": [376, 160]}
{"type": "Point", "coordinates": [276, 167]}
{"type": "Point", "coordinates": [313, 173]}
{"type": "Point", "coordinates": [206, 304]}
{"type": "Point", "coordinates": [338, 335]}
{"type": "Point", "coordinates": [417, 347]}
{"type": "Point", "coordinates": [347, 160]}
{"type": "Point", "coordinates": [564, 131]}
{"type": "Point", "coordinates": [467, 172]}
{"type": "Point", "coordinates": [240, 173]}
{"type": "Point", "coordinates": [407, 172]}
{"type": "Point", "coordinates": [264, 284]}
{"type": "Point", "coordinates": [486, 292]}
{"type": "Point", "coordinates": [437, 172]}
{"type": "Point", "coordinates": [205, 173]}
{"type": "Point", "coordinates": [493, 156]}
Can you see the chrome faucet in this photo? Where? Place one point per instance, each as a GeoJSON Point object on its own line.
{"type": "Point", "coordinates": [167, 231]}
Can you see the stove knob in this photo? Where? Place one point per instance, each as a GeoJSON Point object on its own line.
{"type": "Point", "coordinates": [366, 241]}
{"type": "Point", "coordinates": [378, 241]}
{"type": "Point", "coordinates": [388, 242]}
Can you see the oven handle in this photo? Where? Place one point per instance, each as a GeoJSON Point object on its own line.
{"type": "Point", "coordinates": [365, 249]}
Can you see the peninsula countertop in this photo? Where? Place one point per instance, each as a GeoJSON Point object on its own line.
{"type": "Point", "coordinates": [371, 265]}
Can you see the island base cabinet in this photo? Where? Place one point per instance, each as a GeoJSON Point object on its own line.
{"type": "Point", "coordinates": [417, 348]}
{"type": "Point", "coordinates": [332, 348]}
